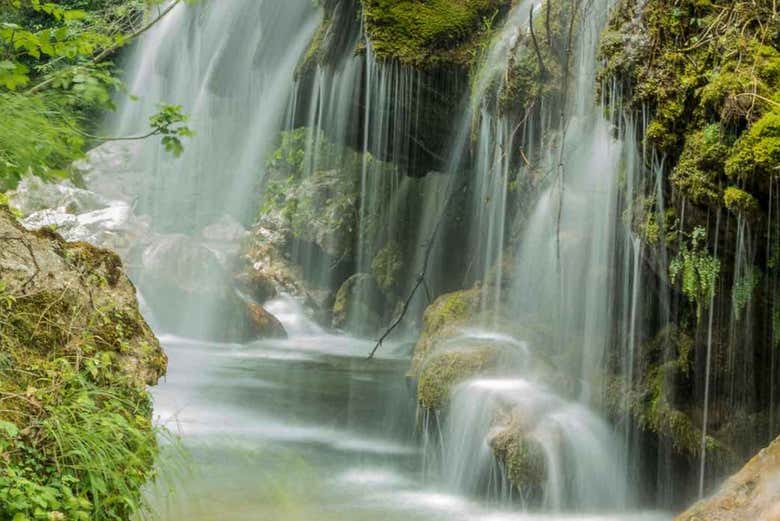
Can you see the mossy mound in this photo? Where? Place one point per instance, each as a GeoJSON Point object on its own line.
{"type": "Point", "coordinates": [441, 320]}
{"type": "Point", "coordinates": [76, 355]}
{"type": "Point", "coordinates": [445, 369]}
{"type": "Point", "coordinates": [427, 33]}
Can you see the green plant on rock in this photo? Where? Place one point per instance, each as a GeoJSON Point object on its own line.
{"type": "Point", "coordinates": [696, 269]}
{"type": "Point", "coordinates": [700, 165]}
{"type": "Point", "coordinates": [740, 202]}
{"type": "Point", "coordinates": [387, 265]}
{"type": "Point", "coordinates": [744, 286]}
{"type": "Point", "coordinates": [756, 154]}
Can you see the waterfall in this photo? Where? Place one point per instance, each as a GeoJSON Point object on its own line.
{"type": "Point", "coordinates": [542, 210]}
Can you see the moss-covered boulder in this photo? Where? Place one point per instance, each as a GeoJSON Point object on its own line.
{"type": "Point", "coordinates": [521, 456]}
{"type": "Point", "coordinates": [76, 435]}
{"type": "Point", "coordinates": [445, 369]}
{"type": "Point", "coordinates": [426, 33]}
{"type": "Point", "coordinates": [61, 295]}
{"type": "Point", "coordinates": [753, 493]}
{"type": "Point", "coordinates": [441, 321]}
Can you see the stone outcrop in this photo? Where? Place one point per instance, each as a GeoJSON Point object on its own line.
{"type": "Point", "coordinates": [58, 295]}
{"type": "Point", "coordinates": [752, 494]}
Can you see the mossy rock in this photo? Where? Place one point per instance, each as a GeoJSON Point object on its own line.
{"type": "Point", "coordinates": [445, 369]}
{"type": "Point", "coordinates": [441, 320]}
{"type": "Point", "coordinates": [75, 359]}
{"type": "Point", "coordinates": [522, 457]}
{"type": "Point", "coordinates": [64, 296]}
{"type": "Point", "coordinates": [427, 33]}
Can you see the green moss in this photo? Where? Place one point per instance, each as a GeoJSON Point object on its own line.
{"type": "Point", "coordinates": [522, 457]}
{"type": "Point", "coordinates": [429, 32]}
{"type": "Point", "coordinates": [387, 265]}
{"type": "Point", "coordinates": [756, 155]}
{"type": "Point", "coordinates": [441, 320]}
{"type": "Point", "coordinates": [701, 165]}
{"type": "Point", "coordinates": [706, 81]}
{"type": "Point", "coordinates": [739, 202]}
{"type": "Point", "coordinates": [444, 370]}
{"type": "Point", "coordinates": [666, 363]}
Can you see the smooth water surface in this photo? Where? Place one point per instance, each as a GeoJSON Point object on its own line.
{"type": "Point", "coordinates": [302, 429]}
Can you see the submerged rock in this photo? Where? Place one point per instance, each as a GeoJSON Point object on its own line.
{"type": "Point", "coordinates": [752, 494]}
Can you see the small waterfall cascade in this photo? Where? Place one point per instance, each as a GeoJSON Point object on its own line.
{"type": "Point", "coordinates": [229, 65]}
{"type": "Point", "coordinates": [557, 451]}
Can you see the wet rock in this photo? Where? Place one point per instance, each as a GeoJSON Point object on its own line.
{"type": "Point", "coordinates": [443, 370]}
{"type": "Point", "coordinates": [360, 305]}
{"type": "Point", "coordinates": [751, 494]}
{"type": "Point", "coordinates": [522, 457]}
{"type": "Point", "coordinates": [263, 271]}
{"type": "Point", "coordinates": [263, 323]}
{"type": "Point", "coordinates": [441, 320]}
{"type": "Point", "coordinates": [63, 295]}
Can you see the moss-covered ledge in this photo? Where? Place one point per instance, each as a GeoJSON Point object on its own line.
{"type": "Point", "coordinates": [430, 33]}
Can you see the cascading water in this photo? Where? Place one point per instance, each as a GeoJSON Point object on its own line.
{"type": "Point", "coordinates": [304, 427]}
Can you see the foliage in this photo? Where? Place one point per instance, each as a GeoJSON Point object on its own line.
{"type": "Point", "coordinates": [37, 136]}
{"type": "Point", "coordinates": [697, 269]}
{"type": "Point", "coordinates": [744, 286]}
{"type": "Point", "coordinates": [56, 76]}
{"type": "Point", "coordinates": [169, 122]}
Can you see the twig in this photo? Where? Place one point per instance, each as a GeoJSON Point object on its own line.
{"type": "Point", "coordinates": [421, 276]}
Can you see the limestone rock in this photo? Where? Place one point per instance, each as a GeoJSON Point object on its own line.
{"type": "Point", "coordinates": [61, 295]}
{"type": "Point", "coordinates": [752, 494]}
